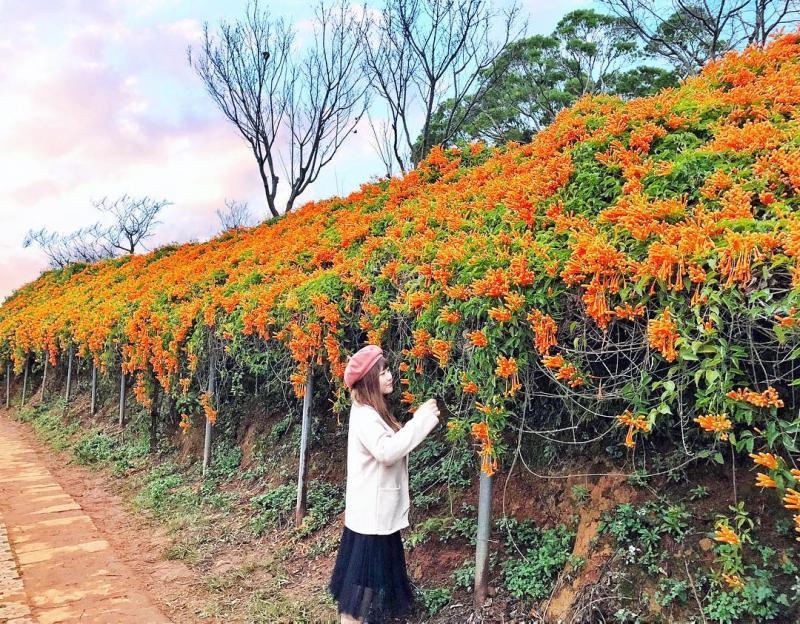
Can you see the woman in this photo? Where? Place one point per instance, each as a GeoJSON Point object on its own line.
{"type": "Point", "coordinates": [369, 578]}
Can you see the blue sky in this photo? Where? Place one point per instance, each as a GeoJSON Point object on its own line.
{"type": "Point", "coordinates": [99, 100]}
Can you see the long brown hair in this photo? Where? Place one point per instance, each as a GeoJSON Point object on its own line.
{"type": "Point", "coordinates": [367, 391]}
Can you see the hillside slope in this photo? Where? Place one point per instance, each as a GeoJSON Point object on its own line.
{"type": "Point", "coordinates": [625, 283]}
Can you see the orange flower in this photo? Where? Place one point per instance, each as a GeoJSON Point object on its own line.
{"type": "Point", "coordinates": [208, 409]}
{"type": "Point", "coordinates": [718, 423]}
{"type": "Point", "coordinates": [768, 398]}
{"type": "Point", "coordinates": [792, 499]}
{"type": "Point", "coordinates": [507, 369]}
{"type": "Point", "coordinates": [765, 481]}
{"type": "Point", "coordinates": [441, 349]}
{"type": "Point", "coordinates": [185, 423]}
{"type": "Point", "coordinates": [734, 581]}
{"type": "Point", "coordinates": [544, 327]}
{"type": "Point", "coordinates": [450, 316]}
{"type": "Point", "coordinates": [478, 339]}
{"type": "Point", "coordinates": [553, 361]}
{"type": "Point", "coordinates": [638, 423]}
{"type": "Point", "coordinates": [726, 535]}
{"type": "Point", "coordinates": [480, 431]}
{"type": "Point", "coordinates": [501, 315]}
{"type": "Point", "coordinates": [768, 460]}
{"type": "Point", "coordinates": [662, 334]}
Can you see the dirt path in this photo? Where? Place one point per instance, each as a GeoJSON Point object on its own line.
{"type": "Point", "coordinates": [70, 572]}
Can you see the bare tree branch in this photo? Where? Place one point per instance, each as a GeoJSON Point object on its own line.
{"type": "Point", "coordinates": [293, 110]}
{"type": "Point", "coordinates": [236, 215]}
{"type": "Point", "coordinates": [427, 52]}
{"type": "Point", "coordinates": [133, 220]}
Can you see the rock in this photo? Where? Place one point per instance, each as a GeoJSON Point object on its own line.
{"type": "Point", "coordinates": [706, 544]}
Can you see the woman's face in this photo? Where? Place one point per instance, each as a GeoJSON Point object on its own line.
{"type": "Point", "coordinates": [385, 379]}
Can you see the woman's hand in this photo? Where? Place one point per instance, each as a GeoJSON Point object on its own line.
{"type": "Point", "coordinates": [430, 407]}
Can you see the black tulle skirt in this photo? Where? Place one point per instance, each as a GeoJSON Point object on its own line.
{"type": "Point", "coordinates": [369, 578]}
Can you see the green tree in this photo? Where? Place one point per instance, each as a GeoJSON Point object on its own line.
{"type": "Point", "coordinates": [588, 52]}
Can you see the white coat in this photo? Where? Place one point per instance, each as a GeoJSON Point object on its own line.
{"type": "Point", "coordinates": [376, 498]}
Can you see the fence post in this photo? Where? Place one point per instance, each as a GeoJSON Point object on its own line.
{"type": "Point", "coordinates": [44, 377]}
{"type": "Point", "coordinates": [8, 384]}
{"type": "Point", "coordinates": [209, 427]}
{"type": "Point", "coordinates": [302, 483]}
{"type": "Point", "coordinates": [122, 398]}
{"type": "Point", "coordinates": [69, 375]}
{"type": "Point", "coordinates": [93, 407]}
{"type": "Point", "coordinates": [25, 379]}
{"type": "Point", "coordinates": [482, 545]}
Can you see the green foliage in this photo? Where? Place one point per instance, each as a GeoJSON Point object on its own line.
{"type": "Point", "coordinates": [276, 507]}
{"type": "Point", "coordinates": [434, 600]}
{"type": "Point", "coordinates": [544, 552]}
{"type": "Point", "coordinates": [464, 577]}
{"type": "Point", "coordinates": [96, 447]}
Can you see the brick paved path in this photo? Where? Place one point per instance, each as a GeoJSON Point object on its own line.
{"type": "Point", "coordinates": [13, 602]}
{"type": "Point", "coordinates": [68, 572]}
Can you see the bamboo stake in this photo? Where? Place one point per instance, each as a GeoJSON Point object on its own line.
{"type": "Point", "coordinates": [122, 399]}
{"type": "Point", "coordinates": [93, 408]}
{"type": "Point", "coordinates": [69, 375]}
{"type": "Point", "coordinates": [25, 380]}
{"type": "Point", "coordinates": [482, 545]}
{"type": "Point", "coordinates": [302, 485]}
{"type": "Point", "coordinates": [44, 378]}
{"type": "Point", "coordinates": [209, 427]}
{"type": "Point", "coordinates": [8, 384]}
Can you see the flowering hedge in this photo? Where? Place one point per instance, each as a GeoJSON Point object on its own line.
{"type": "Point", "coordinates": [631, 272]}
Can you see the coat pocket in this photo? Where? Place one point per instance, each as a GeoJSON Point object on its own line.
{"type": "Point", "coordinates": [389, 509]}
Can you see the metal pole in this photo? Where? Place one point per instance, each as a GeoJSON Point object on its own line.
{"type": "Point", "coordinates": [302, 485]}
{"type": "Point", "coordinates": [69, 375]}
{"type": "Point", "coordinates": [93, 408]}
{"type": "Point", "coordinates": [482, 545]}
{"type": "Point", "coordinates": [44, 377]}
{"type": "Point", "coordinates": [25, 380]}
{"type": "Point", "coordinates": [122, 398]}
{"type": "Point", "coordinates": [209, 426]}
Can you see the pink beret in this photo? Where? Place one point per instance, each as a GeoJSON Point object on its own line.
{"type": "Point", "coordinates": [360, 362]}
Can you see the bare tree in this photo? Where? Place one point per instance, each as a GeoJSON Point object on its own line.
{"type": "Point", "coordinates": [688, 33]}
{"type": "Point", "coordinates": [133, 220]}
{"type": "Point", "coordinates": [293, 109]}
{"type": "Point", "coordinates": [235, 215]}
{"type": "Point", "coordinates": [430, 51]}
{"type": "Point", "coordinates": [87, 244]}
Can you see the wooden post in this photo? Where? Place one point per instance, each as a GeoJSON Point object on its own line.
{"type": "Point", "coordinates": [122, 398]}
{"type": "Point", "coordinates": [482, 545]}
{"type": "Point", "coordinates": [44, 377]}
{"type": "Point", "coordinates": [93, 407]}
{"type": "Point", "coordinates": [25, 379]}
{"type": "Point", "coordinates": [302, 483]}
{"type": "Point", "coordinates": [69, 375]}
{"type": "Point", "coordinates": [8, 384]}
{"type": "Point", "coordinates": [209, 427]}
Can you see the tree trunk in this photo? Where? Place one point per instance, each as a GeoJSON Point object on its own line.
{"type": "Point", "coordinates": [302, 484]}
{"type": "Point", "coordinates": [482, 545]}
{"type": "Point", "coordinates": [122, 398]}
{"type": "Point", "coordinates": [69, 376]}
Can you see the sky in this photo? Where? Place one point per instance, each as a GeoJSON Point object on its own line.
{"type": "Point", "coordinates": [99, 100]}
